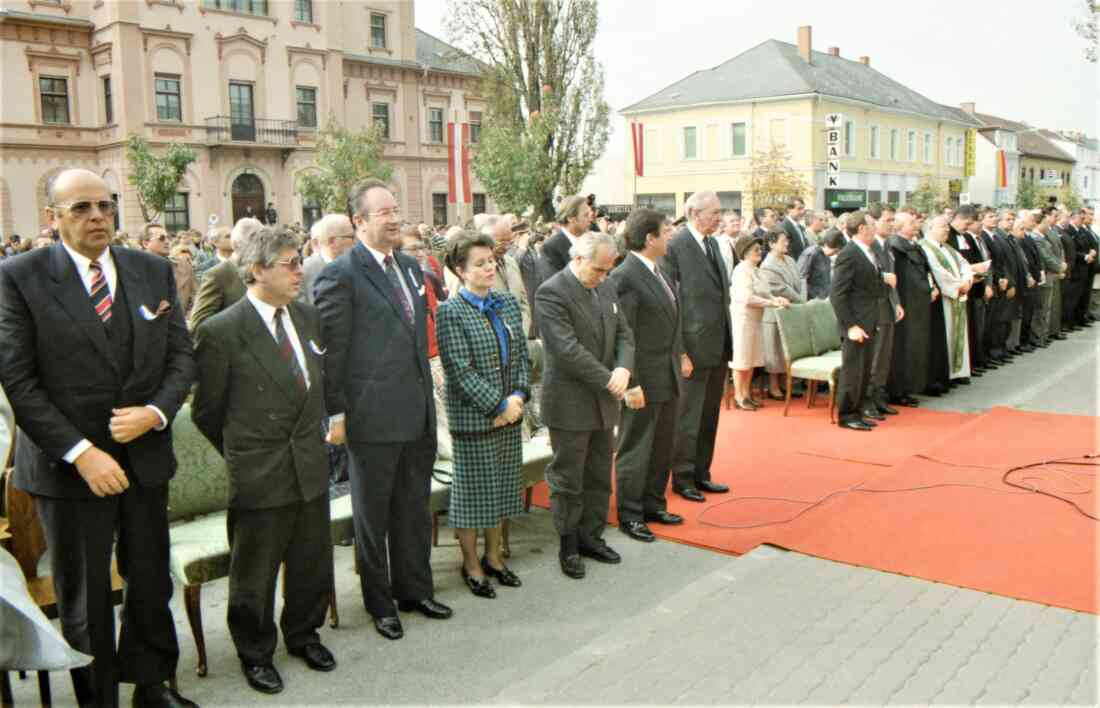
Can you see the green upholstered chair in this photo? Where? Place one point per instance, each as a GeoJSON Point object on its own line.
{"type": "Point", "coordinates": [802, 361]}
{"type": "Point", "coordinates": [824, 329]}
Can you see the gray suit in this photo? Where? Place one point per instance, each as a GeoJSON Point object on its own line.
{"type": "Point", "coordinates": [221, 287]}
{"type": "Point", "coordinates": [816, 269]}
{"type": "Point", "coordinates": [310, 270]}
{"type": "Point", "coordinates": [1054, 318]}
{"type": "Point", "coordinates": [510, 280]}
{"type": "Point", "coordinates": [585, 336]}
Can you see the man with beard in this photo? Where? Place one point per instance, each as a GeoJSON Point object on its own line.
{"type": "Point", "coordinates": [917, 296]}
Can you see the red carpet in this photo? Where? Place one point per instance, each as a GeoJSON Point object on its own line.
{"type": "Point", "coordinates": [932, 501]}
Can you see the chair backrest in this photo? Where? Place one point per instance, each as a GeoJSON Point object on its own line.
{"type": "Point", "coordinates": [794, 332]}
{"type": "Point", "coordinates": [823, 327]}
{"type": "Point", "coordinates": [201, 484]}
{"type": "Point", "coordinates": [28, 541]}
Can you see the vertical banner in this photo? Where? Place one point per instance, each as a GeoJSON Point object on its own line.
{"type": "Point", "coordinates": [971, 153]}
{"type": "Point", "coordinates": [458, 163]}
{"type": "Point", "coordinates": [1002, 170]}
{"type": "Point", "coordinates": [637, 136]}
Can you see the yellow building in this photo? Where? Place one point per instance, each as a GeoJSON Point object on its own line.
{"type": "Point", "coordinates": [700, 132]}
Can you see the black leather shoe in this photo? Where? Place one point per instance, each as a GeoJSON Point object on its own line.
{"type": "Point", "coordinates": [887, 410]}
{"type": "Point", "coordinates": [855, 425]}
{"type": "Point", "coordinates": [603, 554]}
{"type": "Point", "coordinates": [1059, 336]}
{"type": "Point", "coordinates": [712, 487]}
{"type": "Point", "coordinates": [976, 373]}
{"type": "Point", "coordinates": [963, 381]}
{"type": "Point", "coordinates": [157, 695]}
{"type": "Point", "coordinates": [868, 422]}
{"type": "Point", "coordinates": [873, 414]}
{"type": "Point", "coordinates": [262, 677]}
{"type": "Point", "coordinates": [504, 575]}
{"type": "Point", "coordinates": [690, 493]}
{"type": "Point", "coordinates": [572, 566]}
{"type": "Point", "coordinates": [427, 607]}
{"type": "Point", "coordinates": [663, 517]}
{"type": "Point", "coordinates": [481, 588]}
{"type": "Point", "coordinates": [909, 402]}
{"type": "Point", "coordinates": [389, 627]}
{"type": "Point", "coordinates": [316, 656]}
{"type": "Point", "coordinates": [637, 531]}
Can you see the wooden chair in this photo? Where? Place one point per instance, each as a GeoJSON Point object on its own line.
{"type": "Point", "coordinates": [27, 545]}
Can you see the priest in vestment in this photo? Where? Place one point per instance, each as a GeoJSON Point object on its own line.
{"type": "Point", "coordinates": [953, 278]}
{"type": "Point", "coordinates": [909, 365]}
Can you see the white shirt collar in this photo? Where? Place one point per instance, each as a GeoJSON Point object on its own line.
{"type": "Point", "coordinates": [267, 312]}
{"type": "Point", "coordinates": [324, 256]}
{"type": "Point", "coordinates": [699, 238]}
{"type": "Point", "coordinates": [83, 269]}
{"type": "Point", "coordinates": [82, 262]}
{"type": "Point", "coordinates": [571, 237]}
{"type": "Point", "coordinates": [378, 256]}
{"type": "Point", "coordinates": [648, 263]}
{"type": "Point", "coordinates": [866, 251]}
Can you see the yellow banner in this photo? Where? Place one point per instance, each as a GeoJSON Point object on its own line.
{"type": "Point", "coordinates": [971, 153]}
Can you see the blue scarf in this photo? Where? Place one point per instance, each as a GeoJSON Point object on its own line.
{"type": "Point", "coordinates": [490, 306]}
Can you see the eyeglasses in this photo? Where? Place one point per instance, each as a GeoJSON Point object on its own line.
{"type": "Point", "coordinates": [291, 263]}
{"type": "Point", "coordinates": [385, 213]}
{"type": "Point", "coordinates": [350, 237]}
{"type": "Point", "coordinates": [82, 209]}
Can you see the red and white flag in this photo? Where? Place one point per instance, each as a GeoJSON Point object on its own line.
{"type": "Point", "coordinates": [637, 135]}
{"type": "Point", "coordinates": [458, 163]}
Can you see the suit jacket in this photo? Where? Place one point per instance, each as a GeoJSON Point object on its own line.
{"type": "Point", "coordinates": [886, 265]}
{"type": "Point", "coordinates": [510, 280]}
{"type": "Point", "coordinates": [654, 320]}
{"type": "Point", "coordinates": [1075, 260]}
{"type": "Point", "coordinates": [857, 289]}
{"type": "Point", "coordinates": [7, 429]}
{"type": "Point", "coordinates": [1051, 264]}
{"type": "Point", "coordinates": [203, 263]}
{"type": "Point", "coordinates": [816, 270]}
{"type": "Point", "coordinates": [477, 380]}
{"type": "Point", "coordinates": [967, 246]}
{"type": "Point", "coordinates": [311, 268]}
{"type": "Point", "coordinates": [221, 287]}
{"type": "Point", "coordinates": [1054, 239]}
{"type": "Point", "coordinates": [580, 352]}
{"type": "Point", "coordinates": [251, 409]}
{"type": "Point", "coordinates": [1083, 241]}
{"type": "Point", "coordinates": [555, 254]}
{"type": "Point", "coordinates": [1003, 258]}
{"type": "Point", "coordinates": [704, 292]}
{"type": "Point", "coordinates": [781, 275]}
{"type": "Point", "coordinates": [798, 241]}
{"type": "Point", "coordinates": [376, 367]}
{"type": "Point", "coordinates": [62, 377]}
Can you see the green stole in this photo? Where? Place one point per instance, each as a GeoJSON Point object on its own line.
{"type": "Point", "coordinates": [958, 309]}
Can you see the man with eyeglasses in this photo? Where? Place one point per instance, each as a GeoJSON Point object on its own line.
{"type": "Point", "coordinates": [378, 392]}
{"type": "Point", "coordinates": [265, 420]}
{"type": "Point", "coordinates": [333, 235]}
{"type": "Point", "coordinates": [96, 361]}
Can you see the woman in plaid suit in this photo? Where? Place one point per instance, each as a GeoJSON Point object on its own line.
{"type": "Point", "coordinates": [484, 353]}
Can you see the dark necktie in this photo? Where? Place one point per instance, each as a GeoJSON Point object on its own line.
{"type": "Point", "coordinates": [287, 349]}
{"type": "Point", "coordinates": [715, 257]}
{"type": "Point", "coordinates": [395, 281]}
{"type": "Point", "coordinates": [668, 290]}
{"type": "Point", "coordinates": [100, 294]}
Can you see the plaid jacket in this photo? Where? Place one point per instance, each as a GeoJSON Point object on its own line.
{"type": "Point", "coordinates": [471, 361]}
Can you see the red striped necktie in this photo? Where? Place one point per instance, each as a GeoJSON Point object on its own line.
{"type": "Point", "coordinates": [101, 294]}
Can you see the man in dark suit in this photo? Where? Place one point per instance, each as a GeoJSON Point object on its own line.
{"type": "Point", "coordinates": [796, 233]}
{"type": "Point", "coordinates": [647, 432]}
{"type": "Point", "coordinates": [995, 236]}
{"type": "Point", "coordinates": [588, 357]}
{"type": "Point", "coordinates": [694, 265]}
{"type": "Point", "coordinates": [964, 238]}
{"type": "Point", "coordinates": [222, 285]}
{"type": "Point", "coordinates": [96, 361]}
{"type": "Point", "coordinates": [1075, 274]}
{"type": "Point", "coordinates": [260, 401]}
{"type": "Point", "coordinates": [815, 265]}
{"type": "Point", "coordinates": [876, 398]}
{"type": "Point", "coordinates": [1083, 268]}
{"type": "Point", "coordinates": [332, 235]}
{"type": "Point", "coordinates": [574, 217]}
{"type": "Point", "coordinates": [856, 296]}
{"type": "Point", "coordinates": [378, 392]}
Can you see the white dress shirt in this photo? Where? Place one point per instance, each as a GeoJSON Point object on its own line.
{"type": "Point", "coordinates": [110, 273]}
{"type": "Point", "coordinates": [267, 314]}
{"type": "Point", "coordinates": [699, 239]}
{"type": "Point", "coordinates": [866, 251]}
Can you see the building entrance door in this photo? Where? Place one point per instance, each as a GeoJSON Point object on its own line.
{"type": "Point", "coordinates": [248, 197]}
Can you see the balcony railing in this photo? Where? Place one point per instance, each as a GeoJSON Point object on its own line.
{"type": "Point", "coordinates": [262, 131]}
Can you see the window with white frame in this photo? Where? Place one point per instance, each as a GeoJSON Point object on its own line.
{"type": "Point", "coordinates": [435, 125]}
{"type": "Point", "coordinates": [303, 11]}
{"type": "Point", "coordinates": [475, 127]}
{"type": "Point", "coordinates": [874, 142]}
{"type": "Point", "coordinates": [928, 148]}
{"type": "Point", "coordinates": [54, 93]}
{"type": "Point", "coordinates": [691, 142]}
{"type": "Point", "coordinates": [739, 139]}
{"type": "Point", "coordinates": [307, 106]}
{"type": "Point", "coordinates": [380, 114]}
{"type": "Point", "coordinates": [377, 30]}
{"type": "Point", "coordinates": [911, 146]}
{"type": "Point", "coordinates": [849, 139]}
{"type": "Point", "coordinates": [894, 138]}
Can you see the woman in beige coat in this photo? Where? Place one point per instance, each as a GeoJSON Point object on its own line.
{"type": "Point", "coordinates": [749, 301]}
{"type": "Point", "coordinates": [782, 279]}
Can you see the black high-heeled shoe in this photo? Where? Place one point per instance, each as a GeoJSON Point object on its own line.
{"type": "Point", "coordinates": [481, 588]}
{"type": "Point", "coordinates": [745, 406]}
{"type": "Point", "coordinates": [504, 576]}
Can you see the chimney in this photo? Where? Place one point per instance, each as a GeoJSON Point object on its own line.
{"type": "Point", "coordinates": [967, 107]}
{"type": "Point", "coordinates": [866, 61]}
{"type": "Point", "coordinates": [834, 51]}
{"type": "Point", "coordinates": [805, 44]}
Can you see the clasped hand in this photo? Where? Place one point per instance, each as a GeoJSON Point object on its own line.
{"type": "Point", "coordinates": [101, 473]}
{"type": "Point", "coordinates": [128, 424]}
{"type": "Point", "coordinates": [513, 411]}
{"type": "Point", "coordinates": [857, 334]}
{"type": "Point", "coordinates": [620, 379]}
{"type": "Point", "coordinates": [635, 398]}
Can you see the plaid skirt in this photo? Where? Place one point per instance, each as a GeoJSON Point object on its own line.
{"type": "Point", "coordinates": [486, 486]}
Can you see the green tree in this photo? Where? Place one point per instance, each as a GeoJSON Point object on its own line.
{"type": "Point", "coordinates": [772, 180]}
{"type": "Point", "coordinates": [928, 197]}
{"type": "Point", "coordinates": [1088, 29]}
{"type": "Point", "coordinates": [156, 178]}
{"type": "Point", "coordinates": [1069, 198]}
{"type": "Point", "coordinates": [546, 110]}
{"type": "Point", "coordinates": [344, 158]}
{"type": "Point", "coordinates": [1029, 196]}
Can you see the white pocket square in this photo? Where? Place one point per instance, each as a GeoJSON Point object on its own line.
{"type": "Point", "coordinates": [420, 292]}
{"type": "Point", "coordinates": [316, 349]}
{"type": "Point", "coordinates": [146, 313]}
{"type": "Point", "coordinates": [615, 308]}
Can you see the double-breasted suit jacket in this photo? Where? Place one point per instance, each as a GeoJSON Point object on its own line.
{"type": "Point", "coordinates": [654, 319]}
{"type": "Point", "coordinates": [249, 406]}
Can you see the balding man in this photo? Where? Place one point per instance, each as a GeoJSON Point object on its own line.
{"type": "Point", "coordinates": [694, 264]}
{"type": "Point", "coordinates": [509, 277]}
{"type": "Point", "coordinates": [222, 243]}
{"type": "Point", "coordinates": [333, 235]}
{"type": "Point", "coordinates": [96, 361]}
{"type": "Point", "coordinates": [222, 286]}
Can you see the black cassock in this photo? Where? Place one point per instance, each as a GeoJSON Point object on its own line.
{"type": "Point", "coordinates": [909, 367]}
